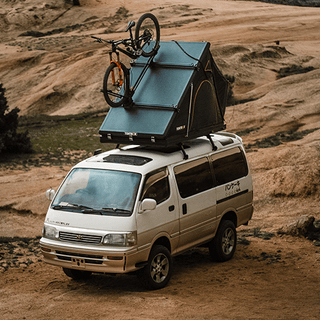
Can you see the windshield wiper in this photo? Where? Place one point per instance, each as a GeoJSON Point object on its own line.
{"type": "Point", "coordinates": [59, 206]}
{"type": "Point", "coordinates": [116, 210]}
{"type": "Point", "coordinates": [84, 209]}
{"type": "Point", "coordinates": [88, 210]}
{"type": "Point", "coordinates": [91, 210]}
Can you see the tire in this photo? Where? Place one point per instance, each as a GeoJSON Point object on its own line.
{"type": "Point", "coordinates": [77, 274]}
{"type": "Point", "coordinates": [156, 274]}
{"type": "Point", "coordinates": [147, 34]}
{"type": "Point", "coordinates": [223, 245]}
{"type": "Point", "coordinates": [115, 84]}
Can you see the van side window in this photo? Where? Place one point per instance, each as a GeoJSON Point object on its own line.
{"type": "Point", "coordinates": [193, 177]}
{"type": "Point", "coordinates": [230, 167]}
{"type": "Point", "coordinates": [156, 186]}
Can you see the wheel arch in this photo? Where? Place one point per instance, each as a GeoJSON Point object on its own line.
{"type": "Point", "coordinates": [163, 241]}
{"type": "Point", "coordinates": [230, 215]}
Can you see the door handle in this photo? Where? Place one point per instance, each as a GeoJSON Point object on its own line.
{"type": "Point", "coordinates": [171, 208]}
{"type": "Point", "coordinates": [184, 208]}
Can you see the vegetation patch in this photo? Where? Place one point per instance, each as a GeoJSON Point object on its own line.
{"type": "Point", "coordinates": [256, 233]}
{"type": "Point", "coordinates": [279, 138]}
{"type": "Point", "coordinates": [58, 140]}
{"type": "Point", "coordinates": [247, 131]}
{"type": "Point", "coordinates": [19, 252]}
{"type": "Point", "coordinates": [11, 141]}
{"type": "Point", "coordinates": [293, 69]}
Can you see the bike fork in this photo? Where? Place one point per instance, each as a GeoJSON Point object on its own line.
{"type": "Point", "coordinates": [114, 80]}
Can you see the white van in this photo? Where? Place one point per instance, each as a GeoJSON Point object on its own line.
{"type": "Point", "coordinates": [132, 209]}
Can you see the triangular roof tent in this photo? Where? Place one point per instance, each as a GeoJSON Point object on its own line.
{"type": "Point", "coordinates": [181, 96]}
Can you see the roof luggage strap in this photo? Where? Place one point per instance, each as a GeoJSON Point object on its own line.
{"type": "Point", "coordinates": [198, 60]}
{"type": "Point", "coordinates": [144, 70]}
{"type": "Point", "coordinates": [190, 108]}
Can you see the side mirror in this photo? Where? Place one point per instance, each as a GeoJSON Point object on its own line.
{"type": "Point", "coordinates": [147, 204]}
{"type": "Point", "coordinates": [50, 194]}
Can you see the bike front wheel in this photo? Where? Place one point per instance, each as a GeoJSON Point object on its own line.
{"type": "Point", "coordinates": [116, 84]}
{"type": "Point", "coordinates": [147, 34]}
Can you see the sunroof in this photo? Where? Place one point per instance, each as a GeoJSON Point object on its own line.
{"type": "Point", "coordinates": [126, 159]}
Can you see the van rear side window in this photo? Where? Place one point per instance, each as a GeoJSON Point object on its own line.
{"type": "Point", "coordinates": [193, 177]}
{"type": "Point", "coordinates": [230, 167]}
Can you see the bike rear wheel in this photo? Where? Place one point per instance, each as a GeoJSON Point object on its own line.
{"type": "Point", "coordinates": [116, 84]}
{"type": "Point", "coordinates": [147, 34]}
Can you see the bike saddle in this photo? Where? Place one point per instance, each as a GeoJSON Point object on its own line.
{"type": "Point", "coordinates": [130, 25]}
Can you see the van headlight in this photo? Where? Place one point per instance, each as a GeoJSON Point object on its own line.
{"type": "Point", "coordinates": [123, 239]}
{"type": "Point", "coordinates": [50, 232]}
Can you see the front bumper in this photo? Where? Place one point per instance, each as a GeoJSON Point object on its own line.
{"type": "Point", "coordinates": [90, 258]}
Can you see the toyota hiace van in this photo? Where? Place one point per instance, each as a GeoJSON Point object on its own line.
{"type": "Point", "coordinates": [131, 209]}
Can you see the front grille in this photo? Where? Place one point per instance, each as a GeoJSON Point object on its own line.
{"type": "Point", "coordinates": [88, 258]}
{"type": "Point", "coordinates": [81, 238]}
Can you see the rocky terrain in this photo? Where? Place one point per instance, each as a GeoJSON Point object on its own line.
{"type": "Point", "coordinates": [271, 54]}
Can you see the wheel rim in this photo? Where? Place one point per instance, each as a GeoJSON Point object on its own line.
{"type": "Point", "coordinates": [145, 40]}
{"type": "Point", "coordinates": [228, 241]}
{"type": "Point", "coordinates": [159, 268]}
{"type": "Point", "coordinates": [147, 34]}
{"type": "Point", "coordinates": [115, 84]}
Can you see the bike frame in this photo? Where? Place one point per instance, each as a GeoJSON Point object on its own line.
{"type": "Point", "coordinates": [127, 42]}
{"type": "Point", "coordinates": [115, 49]}
{"type": "Point", "coordinates": [133, 54]}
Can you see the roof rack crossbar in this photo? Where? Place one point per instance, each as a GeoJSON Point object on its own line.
{"type": "Point", "coordinates": [214, 147]}
{"type": "Point", "coordinates": [185, 156]}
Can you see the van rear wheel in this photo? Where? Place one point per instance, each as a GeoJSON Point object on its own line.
{"type": "Point", "coordinates": [77, 274]}
{"type": "Point", "coordinates": [156, 274]}
{"type": "Point", "coordinates": [223, 245]}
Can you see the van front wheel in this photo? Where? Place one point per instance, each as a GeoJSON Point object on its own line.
{"type": "Point", "coordinates": [156, 274]}
{"type": "Point", "coordinates": [223, 245]}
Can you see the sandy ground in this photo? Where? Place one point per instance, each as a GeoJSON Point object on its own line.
{"type": "Point", "coordinates": [270, 276]}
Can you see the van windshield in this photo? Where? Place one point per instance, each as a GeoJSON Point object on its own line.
{"type": "Point", "coordinates": [98, 191]}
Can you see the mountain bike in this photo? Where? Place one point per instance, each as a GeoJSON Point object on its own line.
{"type": "Point", "coordinates": [116, 82]}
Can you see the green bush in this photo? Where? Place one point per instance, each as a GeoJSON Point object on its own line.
{"type": "Point", "coordinates": [10, 140]}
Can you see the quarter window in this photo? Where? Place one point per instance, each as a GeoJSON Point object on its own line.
{"type": "Point", "coordinates": [231, 167]}
{"type": "Point", "coordinates": [193, 177]}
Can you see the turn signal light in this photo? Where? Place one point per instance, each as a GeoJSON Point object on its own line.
{"type": "Point", "coordinates": [114, 258]}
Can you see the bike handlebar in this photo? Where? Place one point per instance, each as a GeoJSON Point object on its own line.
{"type": "Point", "coordinates": [100, 40]}
{"type": "Point", "coordinates": [113, 42]}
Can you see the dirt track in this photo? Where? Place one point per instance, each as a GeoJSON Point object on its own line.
{"type": "Point", "coordinates": [267, 279]}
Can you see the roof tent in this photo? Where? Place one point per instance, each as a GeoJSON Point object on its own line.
{"type": "Point", "coordinates": [181, 96]}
